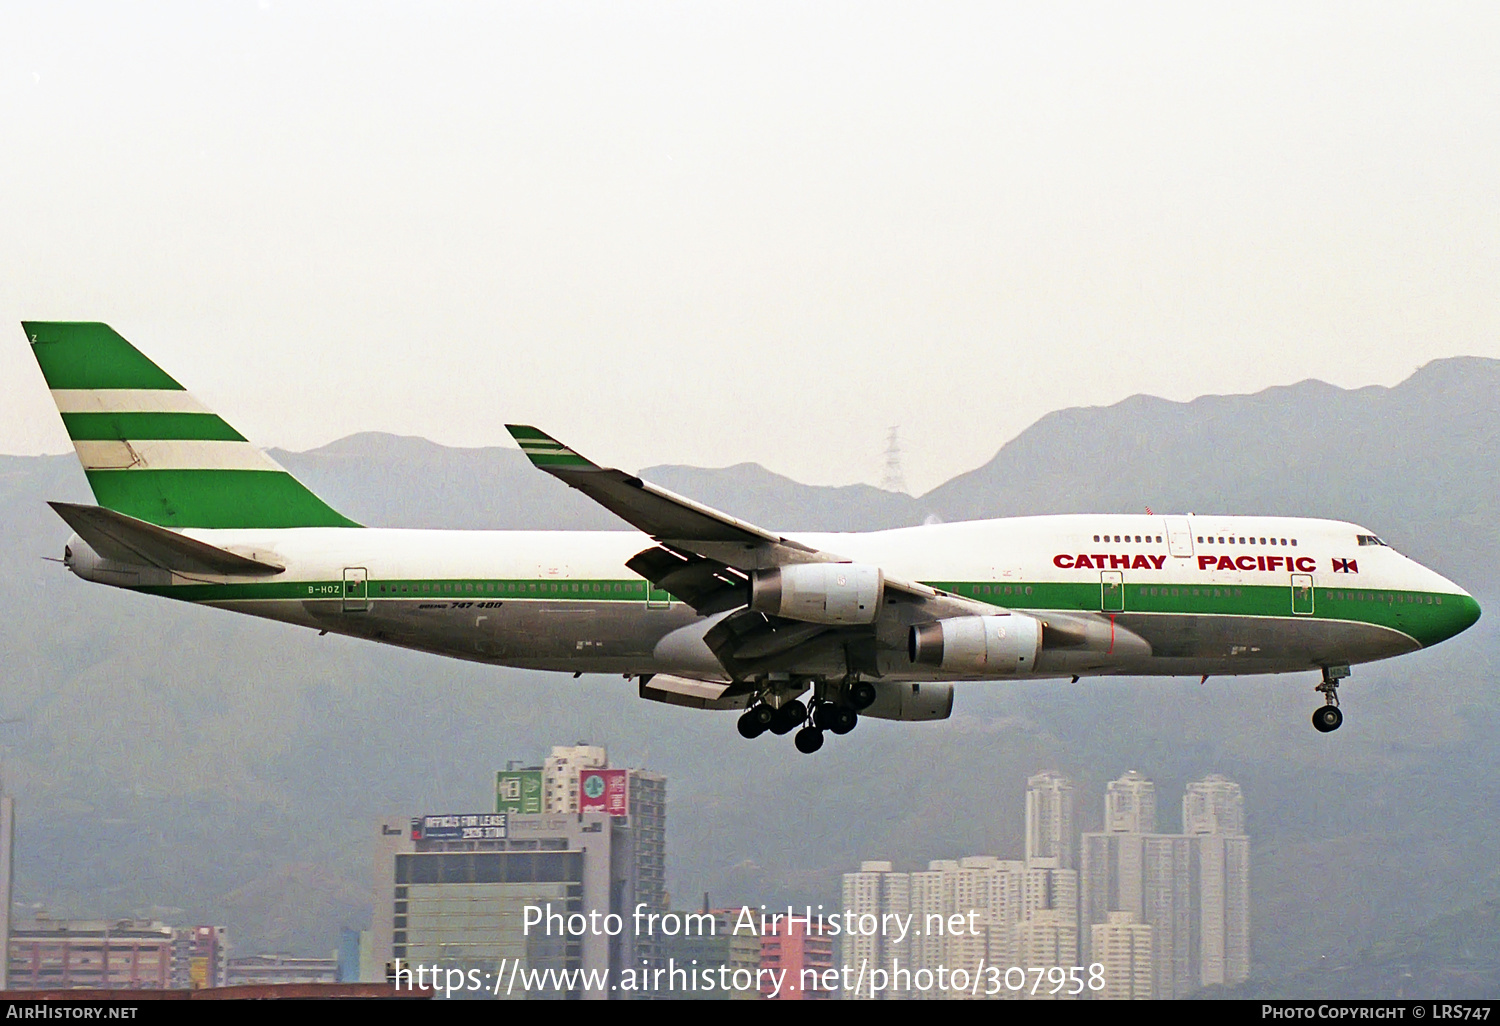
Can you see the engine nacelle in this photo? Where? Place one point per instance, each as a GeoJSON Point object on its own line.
{"type": "Point", "coordinates": [923, 701]}
{"type": "Point", "coordinates": [838, 593]}
{"type": "Point", "coordinates": [978, 645]}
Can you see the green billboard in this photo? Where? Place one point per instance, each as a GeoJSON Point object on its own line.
{"type": "Point", "coordinates": [518, 791]}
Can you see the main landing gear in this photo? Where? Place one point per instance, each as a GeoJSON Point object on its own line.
{"type": "Point", "coordinates": [831, 710]}
{"type": "Point", "coordinates": [1330, 717]}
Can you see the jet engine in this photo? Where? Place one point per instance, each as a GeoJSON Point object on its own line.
{"type": "Point", "coordinates": [978, 645]}
{"type": "Point", "coordinates": [911, 702]}
{"type": "Point", "coordinates": [835, 593]}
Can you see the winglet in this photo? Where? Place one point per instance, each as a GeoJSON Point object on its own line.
{"type": "Point", "coordinates": [544, 451]}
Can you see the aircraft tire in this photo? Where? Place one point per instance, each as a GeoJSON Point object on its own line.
{"type": "Point", "coordinates": [1327, 719]}
{"type": "Point", "coordinates": [842, 720]}
{"type": "Point", "coordinates": [789, 717]}
{"type": "Point", "coordinates": [808, 740]}
{"type": "Point", "coordinates": [750, 725]}
{"type": "Point", "coordinates": [862, 694]}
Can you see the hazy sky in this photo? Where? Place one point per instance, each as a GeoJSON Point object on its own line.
{"type": "Point", "coordinates": [709, 233]}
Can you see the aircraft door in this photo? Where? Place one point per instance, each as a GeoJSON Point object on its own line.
{"type": "Point", "coordinates": [356, 589]}
{"type": "Point", "coordinates": [1179, 536]}
{"type": "Point", "coordinates": [1112, 591]}
{"type": "Point", "coordinates": [1302, 594]}
{"type": "Point", "coordinates": [657, 598]}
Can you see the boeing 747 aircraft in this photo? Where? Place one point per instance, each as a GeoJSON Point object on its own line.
{"type": "Point", "coordinates": [802, 632]}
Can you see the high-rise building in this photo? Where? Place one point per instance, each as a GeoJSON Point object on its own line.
{"type": "Point", "coordinates": [1122, 947]}
{"type": "Point", "coordinates": [876, 890]}
{"type": "Point", "coordinates": [1213, 813]}
{"type": "Point", "coordinates": [453, 889]}
{"type": "Point", "coordinates": [928, 946]}
{"type": "Point", "coordinates": [1214, 805]}
{"type": "Point", "coordinates": [1048, 937]}
{"type": "Point", "coordinates": [1130, 805]}
{"type": "Point", "coordinates": [642, 814]}
{"type": "Point", "coordinates": [1190, 889]}
{"type": "Point", "coordinates": [1049, 819]}
{"type": "Point", "coordinates": [560, 774]}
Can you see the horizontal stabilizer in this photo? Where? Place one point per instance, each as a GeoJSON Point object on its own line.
{"type": "Point", "coordinates": [125, 539]}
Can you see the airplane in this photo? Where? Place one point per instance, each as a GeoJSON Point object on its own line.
{"type": "Point", "coordinates": [802, 631]}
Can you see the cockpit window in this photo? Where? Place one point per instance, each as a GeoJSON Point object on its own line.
{"type": "Point", "coordinates": [1370, 539]}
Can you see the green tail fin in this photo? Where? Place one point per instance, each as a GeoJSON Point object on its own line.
{"type": "Point", "coordinates": [152, 451]}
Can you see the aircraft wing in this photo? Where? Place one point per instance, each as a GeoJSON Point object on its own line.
{"type": "Point", "coordinates": [677, 522]}
{"type": "Point", "coordinates": [708, 559]}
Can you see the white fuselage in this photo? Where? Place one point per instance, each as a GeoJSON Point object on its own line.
{"type": "Point", "coordinates": [1154, 594]}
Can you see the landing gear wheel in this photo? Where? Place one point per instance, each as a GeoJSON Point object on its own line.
{"type": "Point", "coordinates": [842, 719]}
{"type": "Point", "coordinates": [1327, 719]}
{"type": "Point", "coordinates": [822, 715]}
{"type": "Point", "coordinates": [861, 694]}
{"type": "Point", "coordinates": [789, 717]}
{"type": "Point", "coordinates": [1330, 717]}
{"type": "Point", "coordinates": [750, 724]}
{"type": "Point", "coordinates": [808, 740]}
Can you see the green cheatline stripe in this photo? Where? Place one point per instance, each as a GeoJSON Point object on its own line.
{"type": "Point", "coordinates": [213, 498]}
{"type": "Point", "coordinates": [475, 590]}
{"type": "Point", "coordinates": [1410, 613]}
{"type": "Point", "coordinates": [101, 427]}
{"type": "Point", "coordinates": [561, 459]}
{"type": "Point", "coordinates": [84, 354]}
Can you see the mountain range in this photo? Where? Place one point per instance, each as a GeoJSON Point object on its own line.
{"type": "Point", "coordinates": [206, 767]}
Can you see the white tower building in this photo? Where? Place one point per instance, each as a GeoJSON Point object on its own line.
{"type": "Point", "coordinates": [1122, 946]}
{"type": "Point", "coordinates": [876, 890]}
{"type": "Point", "coordinates": [1049, 819]}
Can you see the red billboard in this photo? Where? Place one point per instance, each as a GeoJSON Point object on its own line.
{"type": "Point", "coordinates": [604, 790]}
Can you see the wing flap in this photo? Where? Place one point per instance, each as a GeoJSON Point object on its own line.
{"type": "Point", "coordinates": [707, 585]}
{"type": "Point", "coordinates": [128, 540]}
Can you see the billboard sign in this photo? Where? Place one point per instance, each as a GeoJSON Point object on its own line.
{"type": "Point", "coordinates": [461, 826]}
{"type": "Point", "coordinates": [604, 790]}
{"type": "Point", "coordinates": [519, 792]}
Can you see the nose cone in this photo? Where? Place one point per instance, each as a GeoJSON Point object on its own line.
{"type": "Point", "coordinates": [1458, 613]}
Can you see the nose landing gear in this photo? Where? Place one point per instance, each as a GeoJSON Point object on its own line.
{"type": "Point", "coordinates": [1330, 717]}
